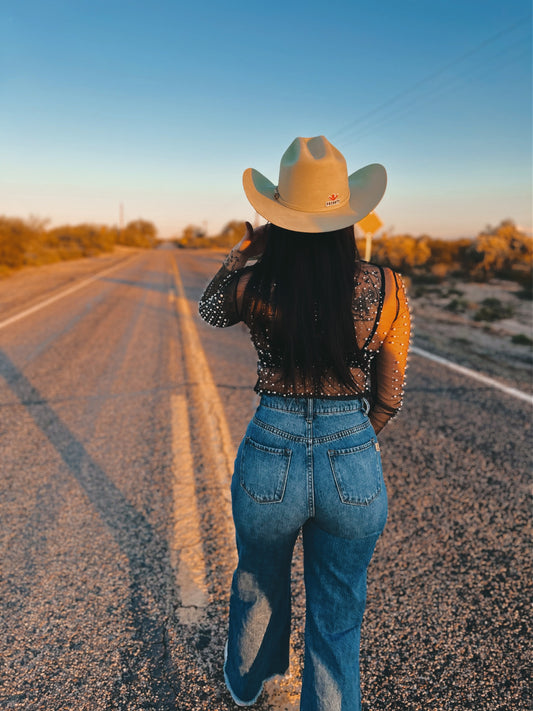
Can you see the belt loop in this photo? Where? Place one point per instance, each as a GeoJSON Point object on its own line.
{"type": "Point", "coordinates": [309, 415]}
{"type": "Point", "coordinates": [366, 406]}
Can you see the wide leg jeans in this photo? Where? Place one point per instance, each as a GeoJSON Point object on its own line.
{"type": "Point", "coordinates": [312, 465]}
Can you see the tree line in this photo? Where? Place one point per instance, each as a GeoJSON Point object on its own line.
{"type": "Point", "coordinates": [503, 251]}
{"type": "Point", "coordinates": [30, 242]}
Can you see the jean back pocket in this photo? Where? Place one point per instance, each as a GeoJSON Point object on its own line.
{"type": "Point", "coordinates": [357, 473]}
{"type": "Point", "coordinates": [263, 471]}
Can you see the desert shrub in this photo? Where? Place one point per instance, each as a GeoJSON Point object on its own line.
{"type": "Point", "coordinates": [29, 242]}
{"type": "Point", "coordinates": [521, 339]}
{"type": "Point", "coordinates": [194, 237]}
{"type": "Point", "coordinates": [498, 251]}
{"type": "Point", "coordinates": [439, 270]}
{"type": "Point", "coordinates": [217, 242]}
{"type": "Point", "coordinates": [503, 251]}
{"type": "Point", "coordinates": [458, 305]}
{"type": "Point", "coordinates": [523, 276]}
{"type": "Point", "coordinates": [15, 235]}
{"type": "Point", "coordinates": [189, 235]}
{"type": "Point", "coordinates": [425, 287]}
{"type": "Point", "coordinates": [492, 309]}
{"type": "Point", "coordinates": [401, 252]}
{"type": "Point", "coordinates": [75, 241]}
{"type": "Point", "coordinates": [139, 233]}
{"type": "Point", "coordinates": [454, 291]}
{"type": "Point", "coordinates": [449, 252]}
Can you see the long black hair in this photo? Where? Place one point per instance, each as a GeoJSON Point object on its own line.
{"type": "Point", "coordinates": [301, 293]}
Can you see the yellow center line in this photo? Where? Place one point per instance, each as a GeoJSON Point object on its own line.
{"type": "Point", "coordinates": [219, 453]}
{"type": "Point", "coordinates": [217, 439]}
{"type": "Point", "coordinates": [186, 547]}
{"type": "Point", "coordinates": [212, 410]}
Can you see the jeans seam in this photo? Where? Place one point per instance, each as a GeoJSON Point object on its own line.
{"type": "Point", "coordinates": [276, 430]}
{"type": "Point", "coordinates": [317, 440]}
{"type": "Point", "coordinates": [342, 433]}
{"type": "Point", "coordinates": [310, 472]}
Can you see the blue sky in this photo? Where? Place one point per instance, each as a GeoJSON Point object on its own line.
{"type": "Point", "coordinates": [161, 105]}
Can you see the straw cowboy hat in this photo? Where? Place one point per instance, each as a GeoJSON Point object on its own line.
{"type": "Point", "coordinates": [314, 192]}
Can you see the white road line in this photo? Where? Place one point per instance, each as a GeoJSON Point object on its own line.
{"type": "Point", "coordinates": [186, 548]}
{"type": "Point", "coordinates": [61, 295]}
{"type": "Point", "coordinates": [472, 374]}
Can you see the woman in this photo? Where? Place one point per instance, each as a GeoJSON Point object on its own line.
{"type": "Point", "coordinates": [331, 334]}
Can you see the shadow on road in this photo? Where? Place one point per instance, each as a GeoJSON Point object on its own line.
{"type": "Point", "coordinates": [150, 571]}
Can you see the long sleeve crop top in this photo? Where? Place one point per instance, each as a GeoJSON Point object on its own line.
{"type": "Point", "coordinates": [382, 327]}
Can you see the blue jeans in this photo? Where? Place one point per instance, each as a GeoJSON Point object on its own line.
{"type": "Point", "coordinates": [314, 465]}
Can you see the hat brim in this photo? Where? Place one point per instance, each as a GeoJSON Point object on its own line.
{"type": "Point", "coordinates": [367, 186]}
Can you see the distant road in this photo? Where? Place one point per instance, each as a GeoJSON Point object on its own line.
{"type": "Point", "coordinates": [120, 412]}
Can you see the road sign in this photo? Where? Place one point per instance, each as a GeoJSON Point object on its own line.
{"type": "Point", "coordinates": [369, 225]}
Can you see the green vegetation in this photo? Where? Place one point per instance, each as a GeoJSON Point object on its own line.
{"type": "Point", "coordinates": [503, 251]}
{"type": "Point", "coordinates": [492, 309]}
{"type": "Point", "coordinates": [458, 305]}
{"type": "Point", "coordinates": [521, 339]}
{"type": "Point", "coordinates": [31, 243]}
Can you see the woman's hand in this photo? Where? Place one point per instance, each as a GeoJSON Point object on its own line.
{"type": "Point", "coordinates": [254, 241]}
{"type": "Point", "coordinates": [252, 245]}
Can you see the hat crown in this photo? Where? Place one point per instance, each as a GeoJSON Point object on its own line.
{"type": "Point", "coordinates": [313, 176]}
{"type": "Point", "coordinates": [314, 191]}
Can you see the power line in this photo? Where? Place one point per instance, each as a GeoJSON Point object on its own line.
{"type": "Point", "coordinates": [430, 77]}
{"type": "Point", "coordinates": [429, 97]}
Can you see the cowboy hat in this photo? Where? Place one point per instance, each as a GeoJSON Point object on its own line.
{"type": "Point", "coordinates": [314, 192]}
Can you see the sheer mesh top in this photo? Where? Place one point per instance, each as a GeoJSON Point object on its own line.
{"type": "Point", "coordinates": [382, 327]}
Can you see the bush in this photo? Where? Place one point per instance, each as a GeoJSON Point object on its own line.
{"type": "Point", "coordinates": [504, 251]}
{"type": "Point", "coordinates": [138, 233]}
{"type": "Point", "coordinates": [500, 250]}
{"type": "Point", "coordinates": [492, 309]}
{"type": "Point", "coordinates": [15, 235]}
{"type": "Point", "coordinates": [401, 252]}
{"type": "Point", "coordinates": [426, 279]}
{"type": "Point", "coordinates": [454, 291]}
{"type": "Point", "coordinates": [24, 243]}
{"type": "Point", "coordinates": [521, 339]}
{"type": "Point", "coordinates": [194, 237]}
{"type": "Point", "coordinates": [457, 305]}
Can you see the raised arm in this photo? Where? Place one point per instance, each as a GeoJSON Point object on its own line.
{"type": "Point", "coordinates": [220, 304]}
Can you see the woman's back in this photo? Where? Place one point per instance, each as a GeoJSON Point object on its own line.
{"type": "Point", "coordinates": [377, 363]}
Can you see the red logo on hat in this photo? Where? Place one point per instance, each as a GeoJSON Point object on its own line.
{"type": "Point", "coordinates": [333, 200]}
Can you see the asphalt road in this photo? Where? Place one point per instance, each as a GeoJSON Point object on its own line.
{"type": "Point", "coordinates": [120, 412]}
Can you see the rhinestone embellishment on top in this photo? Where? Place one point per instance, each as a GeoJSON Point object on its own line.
{"type": "Point", "coordinates": [382, 325]}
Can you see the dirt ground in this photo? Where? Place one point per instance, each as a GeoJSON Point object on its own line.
{"type": "Point", "coordinates": [445, 323]}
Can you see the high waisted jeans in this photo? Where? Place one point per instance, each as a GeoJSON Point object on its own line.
{"type": "Point", "coordinates": [311, 465]}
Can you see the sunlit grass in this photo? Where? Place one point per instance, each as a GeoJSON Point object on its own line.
{"type": "Point", "coordinates": [25, 243]}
